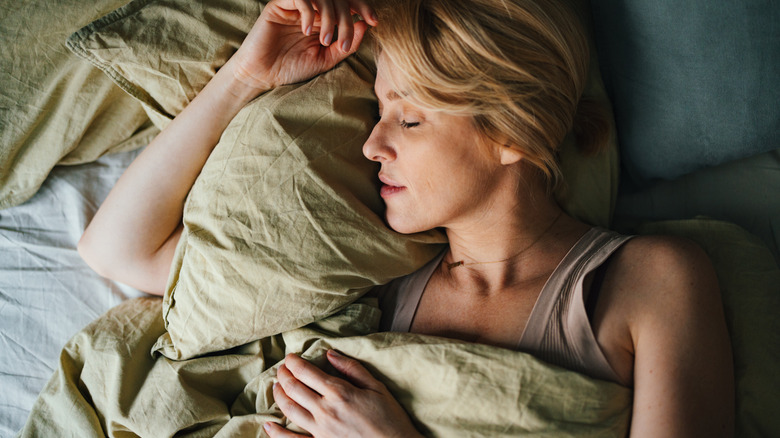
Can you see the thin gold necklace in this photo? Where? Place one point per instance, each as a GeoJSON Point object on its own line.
{"type": "Point", "coordinates": [453, 265]}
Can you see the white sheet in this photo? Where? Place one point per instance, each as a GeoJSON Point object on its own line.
{"type": "Point", "coordinates": [47, 293]}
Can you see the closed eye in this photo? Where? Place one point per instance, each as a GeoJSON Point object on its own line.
{"type": "Point", "coordinates": [406, 124]}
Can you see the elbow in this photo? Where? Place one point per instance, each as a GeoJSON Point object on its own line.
{"type": "Point", "coordinates": [92, 255]}
{"type": "Point", "coordinates": [112, 260]}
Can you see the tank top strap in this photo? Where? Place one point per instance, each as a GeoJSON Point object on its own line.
{"type": "Point", "coordinates": [559, 330]}
{"type": "Point", "coordinates": [400, 298]}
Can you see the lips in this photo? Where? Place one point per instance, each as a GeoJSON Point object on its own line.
{"type": "Point", "coordinates": [387, 191]}
{"type": "Point", "coordinates": [389, 187]}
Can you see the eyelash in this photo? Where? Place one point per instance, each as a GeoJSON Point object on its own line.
{"type": "Point", "coordinates": [404, 124]}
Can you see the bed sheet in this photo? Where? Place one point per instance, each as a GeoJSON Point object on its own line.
{"type": "Point", "coordinates": [47, 293]}
{"type": "Point", "coordinates": [743, 192]}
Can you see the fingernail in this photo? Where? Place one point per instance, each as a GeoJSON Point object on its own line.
{"type": "Point", "coordinates": [267, 426]}
{"type": "Point", "coordinates": [276, 385]}
{"type": "Point", "coordinates": [346, 45]}
{"type": "Point", "coordinates": [373, 17]}
{"type": "Point", "coordinates": [335, 353]}
{"type": "Point", "coordinates": [326, 40]}
{"type": "Point", "coordinates": [308, 31]}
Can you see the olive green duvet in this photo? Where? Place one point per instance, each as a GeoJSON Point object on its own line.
{"type": "Point", "coordinates": [110, 382]}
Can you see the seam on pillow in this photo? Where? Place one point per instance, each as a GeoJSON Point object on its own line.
{"type": "Point", "coordinates": [76, 41]}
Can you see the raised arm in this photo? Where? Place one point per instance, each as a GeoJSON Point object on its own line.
{"type": "Point", "coordinates": [135, 231]}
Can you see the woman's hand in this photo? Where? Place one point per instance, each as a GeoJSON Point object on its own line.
{"type": "Point", "coordinates": [327, 406]}
{"type": "Point", "coordinates": [293, 40]}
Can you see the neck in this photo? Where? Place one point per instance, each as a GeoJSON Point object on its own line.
{"type": "Point", "coordinates": [517, 254]}
{"type": "Point", "coordinates": [506, 249]}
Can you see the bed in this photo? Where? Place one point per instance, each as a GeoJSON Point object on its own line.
{"type": "Point", "coordinates": [88, 356]}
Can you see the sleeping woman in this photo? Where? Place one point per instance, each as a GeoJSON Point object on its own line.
{"type": "Point", "coordinates": [474, 99]}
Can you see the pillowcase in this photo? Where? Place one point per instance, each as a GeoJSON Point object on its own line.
{"type": "Point", "coordinates": [693, 84]}
{"type": "Point", "coordinates": [54, 107]}
{"type": "Point", "coordinates": [283, 226]}
{"type": "Point", "coordinates": [749, 280]}
{"type": "Point", "coordinates": [163, 52]}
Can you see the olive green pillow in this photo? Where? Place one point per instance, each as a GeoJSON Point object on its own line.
{"type": "Point", "coordinates": [54, 107]}
{"type": "Point", "coordinates": [284, 224]}
{"type": "Point", "coordinates": [164, 52]}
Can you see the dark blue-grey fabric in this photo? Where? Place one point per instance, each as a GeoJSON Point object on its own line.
{"type": "Point", "coordinates": [694, 83]}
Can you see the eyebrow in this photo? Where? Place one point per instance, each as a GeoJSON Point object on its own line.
{"type": "Point", "coordinates": [392, 95]}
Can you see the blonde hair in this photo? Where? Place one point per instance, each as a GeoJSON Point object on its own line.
{"type": "Point", "coordinates": [518, 67]}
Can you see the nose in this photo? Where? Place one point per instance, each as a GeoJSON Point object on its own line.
{"type": "Point", "coordinates": [377, 148]}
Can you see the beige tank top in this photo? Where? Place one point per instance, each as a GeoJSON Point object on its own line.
{"type": "Point", "coordinates": [558, 330]}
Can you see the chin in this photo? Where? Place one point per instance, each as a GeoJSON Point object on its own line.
{"type": "Point", "coordinates": [403, 225]}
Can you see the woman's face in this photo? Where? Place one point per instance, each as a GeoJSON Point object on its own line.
{"type": "Point", "coordinates": [437, 171]}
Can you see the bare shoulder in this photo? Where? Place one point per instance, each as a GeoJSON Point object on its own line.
{"type": "Point", "coordinates": [661, 266]}
{"type": "Point", "coordinates": [663, 292]}
{"type": "Point", "coordinates": [663, 329]}
{"type": "Point", "coordinates": [653, 287]}
{"type": "Point", "coordinates": [661, 281]}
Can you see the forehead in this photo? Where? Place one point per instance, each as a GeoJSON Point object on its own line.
{"type": "Point", "coordinates": [382, 85]}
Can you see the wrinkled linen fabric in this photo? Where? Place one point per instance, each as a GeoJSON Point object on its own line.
{"type": "Point", "coordinates": [109, 383]}
{"type": "Point", "coordinates": [284, 225]}
{"type": "Point", "coordinates": [55, 108]}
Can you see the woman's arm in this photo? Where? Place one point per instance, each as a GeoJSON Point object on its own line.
{"type": "Point", "coordinates": [663, 295]}
{"type": "Point", "coordinates": [134, 233]}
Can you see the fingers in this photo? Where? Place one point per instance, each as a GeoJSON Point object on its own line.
{"type": "Point", "coordinates": [307, 15]}
{"type": "Point", "coordinates": [327, 20]}
{"type": "Point", "coordinates": [345, 26]}
{"type": "Point", "coordinates": [276, 431]}
{"type": "Point", "coordinates": [365, 11]}
{"type": "Point", "coordinates": [360, 29]}
{"type": "Point", "coordinates": [337, 14]}
{"type": "Point", "coordinates": [356, 373]}
{"type": "Point", "coordinates": [297, 413]}
{"type": "Point", "coordinates": [321, 403]}
{"type": "Point", "coordinates": [295, 390]}
{"type": "Point", "coordinates": [311, 376]}
{"type": "Point", "coordinates": [298, 379]}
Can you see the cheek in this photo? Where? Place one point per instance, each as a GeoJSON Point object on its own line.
{"type": "Point", "coordinates": [435, 180]}
{"type": "Point", "coordinates": [456, 172]}
{"type": "Point", "coordinates": [445, 174]}
{"type": "Point", "coordinates": [446, 177]}
{"type": "Point", "coordinates": [421, 208]}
